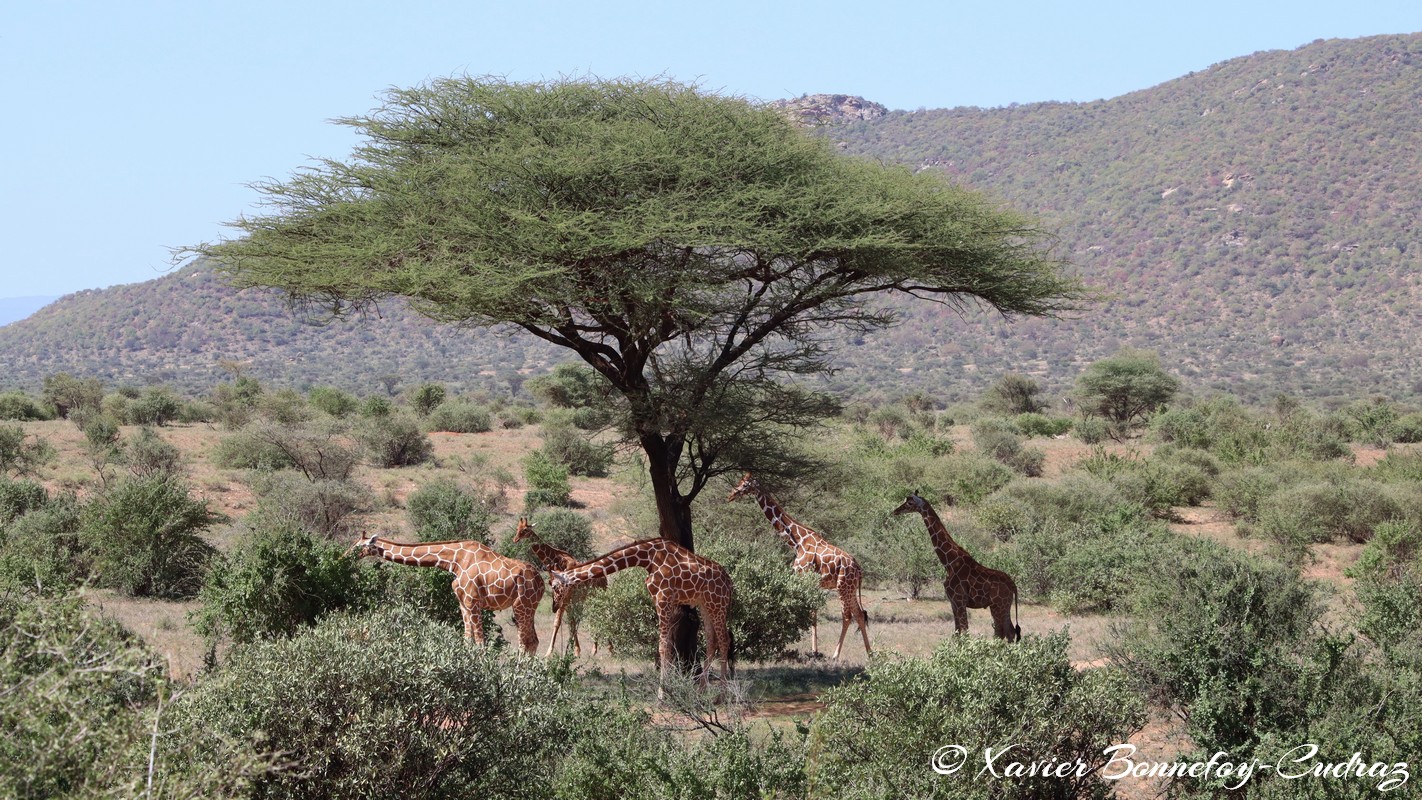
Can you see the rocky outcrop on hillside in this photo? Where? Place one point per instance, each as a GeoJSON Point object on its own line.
{"type": "Point", "coordinates": [830, 109]}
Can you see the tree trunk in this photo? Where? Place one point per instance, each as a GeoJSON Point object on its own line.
{"type": "Point", "coordinates": [674, 516]}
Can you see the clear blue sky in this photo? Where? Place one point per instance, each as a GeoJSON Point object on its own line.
{"type": "Point", "coordinates": [134, 127]}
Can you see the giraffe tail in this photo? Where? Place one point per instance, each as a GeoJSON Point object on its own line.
{"type": "Point", "coordinates": [1016, 626]}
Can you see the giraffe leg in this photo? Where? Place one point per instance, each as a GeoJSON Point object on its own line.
{"type": "Point", "coordinates": [960, 616]}
{"type": "Point", "coordinates": [523, 619]}
{"type": "Point", "coordinates": [473, 623]}
{"type": "Point", "coordinates": [846, 613]}
{"type": "Point", "coordinates": [573, 632]}
{"type": "Point", "coordinates": [667, 615]}
{"type": "Point", "coordinates": [1002, 620]}
{"type": "Point", "coordinates": [557, 624]}
{"type": "Point", "coordinates": [815, 634]}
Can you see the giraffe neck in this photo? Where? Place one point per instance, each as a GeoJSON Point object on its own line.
{"type": "Point", "coordinates": [552, 557]}
{"type": "Point", "coordinates": [948, 550]}
{"type": "Point", "coordinates": [784, 524]}
{"type": "Point", "coordinates": [643, 554]}
{"type": "Point", "coordinates": [433, 554]}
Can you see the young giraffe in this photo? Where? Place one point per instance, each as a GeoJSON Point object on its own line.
{"type": "Point", "coordinates": [968, 583]}
{"type": "Point", "coordinates": [563, 597]}
{"type": "Point", "coordinates": [676, 577]}
{"type": "Point", "coordinates": [482, 579]}
{"type": "Point", "coordinates": [814, 554]}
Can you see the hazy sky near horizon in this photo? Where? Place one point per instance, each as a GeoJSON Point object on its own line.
{"type": "Point", "coordinates": [134, 128]}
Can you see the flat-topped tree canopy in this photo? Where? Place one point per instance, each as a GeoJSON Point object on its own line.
{"type": "Point", "coordinates": [686, 245]}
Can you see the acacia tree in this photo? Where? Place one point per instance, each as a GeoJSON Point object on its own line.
{"type": "Point", "coordinates": [695, 250]}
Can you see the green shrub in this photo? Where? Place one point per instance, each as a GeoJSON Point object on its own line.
{"type": "Point", "coordinates": [277, 580]}
{"type": "Point", "coordinates": [1408, 429]}
{"type": "Point", "coordinates": [144, 538]}
{"type": "Point", "coordinates": [146, 455]}
{"type": "Point", "coordinates": [1126, 387]}
{"type": "Point", "coordinates": [158, 406]}
{"type": "Point", "coordinates": [18, 498]}
{"type": "Point", "coordinates": [247, 450]}
{"type": "Point", "coordinates": [562, 528]}
{"type": "Point", "coordinates": [976, 693]}
{"type": "Point", "coordinates": [284, 407]}
{"type": "Point", "coordinates": [1091, 430]}
{"type": "Point", "coordinates": [395, 441]}
{"type": "Point", "coordinates": [459, 417]}
{"type": "Point", "coordinates": [1318, 512]}
{"type": "Point", "coordinates": [441, 510]}
{"type": "Point", "coordinates": [573, 450]}
{"type": "Point", "coordinates": [1032, 425]}
{"type": "Point", "coordinates": [1219, 636]}
{"type": "Point", "coordinates": [427, 398]}
{"type": "Point", "coordinates": [901, 554]}
{"type": "Point", "coordinates": [591, 419]}
{"type": "Point", "coordinates": [998, 439]}
{"type": "Point", "coordinates": [384, 705]}
{"type": "Point", "coordinates": [66, 393]}
{"type": "Point", "coordinates": [375, 406]}
{"type": "Point", "coordinates": [76, 724]}
{"type": "Point", "coordinates": [1185, 427]}
{"type": "Point", "coordinates": [22, 407]}
{"type": "Point", "coordinates": [41, 552]}
{"type": "Point", "coordinates": [547, 482]}
{"type": "Point", "coordinates": [321, 506]}
{"type": "Point", "coordinates": [332, 401]}
{"type": "Point", "coordinates": [21, 454]}
{"type": "Point", "coordinates": [1014, 394]}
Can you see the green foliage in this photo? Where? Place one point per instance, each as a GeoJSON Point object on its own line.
{"type": "Point", "coordinates": [284, 407]}
{"type": "Point", "coordinates": [22, 454]}
{"type": "Point", "coordinates": [383, 705]}
{"type": "Point", "coordinates": [566, 446]}
{"type": "Point", "coordinates": [1315, 512]}
{"type": "Point", "coordinates": [1126, 387]}
{"type": "Point", "coordinates": [879, 732]}
{"type": "Point", "coordinates": [1014, 395]}
{"type": "Point", "coordinates": [376, 406]}
{"type": "Point", "coordinates": [547, 482]}
{"type": "Point", "coordinates": [323, 506]}
{"type": "Point", "coordinates": [74, 726]}
{"type": "Point", "coordinates": [426, 398]}
{"type": "Point", "coordinates": [147, 454]}
{"type": "Point", "coordinates": [1091, 430]}
{"type": "Point", "coordinates": [277, 580]}
{"type": "Point", "coordinates": [459, 417]}
{"type": "Point", "coordinates": [998, 439]}
{"type": "Point", "coordinates": [40, 552]}
{"type": "Point", "coordinates": [442, 510]}
{"type": "Point", "coordinates": [18, 498]}
{"type": "Point", "coordinates": [144, 536]}
{"type": "Point", "coordinates": [395, 441]}
{"type": "Point", "coordinates": [1202, 634]}
{"type": "Point", "coordinates": [1031, 425]}
{"type": "Point", "coordinates": [623, 616]}
{"type": "Point", "coordinates": [1373, 421]}
{"type": "Point", "coordinates": [22, 407]}
{"type": "Point", "coordinates": [332, 401]}
{"type": "Point", "coordinates": [158, 406]}
{"type": "Point", "coordinates": [562, 528]}
{"type": "Point", "coordinates": [570, 386]}
{"type": "Point", "coordinates": [248, 450]}
{"type": "Point", "coordinates": [901, 554]}
{"type": "Point", "coordinates": [66, 393]}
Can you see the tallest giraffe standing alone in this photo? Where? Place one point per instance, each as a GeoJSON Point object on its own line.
{"type": "Point", "coordinates": [814, 554]}
{"type": "Point", "coordinates": [968, 583]}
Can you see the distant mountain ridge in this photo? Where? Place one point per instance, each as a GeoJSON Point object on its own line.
{"type": "Point", "coordinates": [1255, 222]}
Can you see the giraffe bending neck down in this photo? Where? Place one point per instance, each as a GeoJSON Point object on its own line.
{"type": "Point", "coordinates": [483, 579]}
{"type": "Point", "coordinates": [564, 599]}
{"type": "Point", "coordinates": [676, 577]}
{"type": "Point", "coordinates": [968, 584]}
{"type": "Point", "coordinates": [815, 555]}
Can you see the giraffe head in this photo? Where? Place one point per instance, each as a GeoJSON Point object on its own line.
{"type": "Point", "coordinates": [525, 531]}
{"type": "Point", "coordinates": [912, 505]}
{"type": "Point", "coordinates": [366, 546]}
{"type": "Point", "coordinates": [748, 485]}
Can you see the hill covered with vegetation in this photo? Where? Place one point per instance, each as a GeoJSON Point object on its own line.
{"type": "Point", "coordinates": [1254, 223]}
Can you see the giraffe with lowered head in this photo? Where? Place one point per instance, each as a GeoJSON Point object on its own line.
{"type": "Point", "coordinates": [564, 598]}
{"type": "Point", "coordinates": [483, 579]}
{"type": "Point", "coordinates": [814, 554]}
{"type": "Point", "coordinates": [968, 583]}
{"type": "Point", "coordinates": [676, 577]}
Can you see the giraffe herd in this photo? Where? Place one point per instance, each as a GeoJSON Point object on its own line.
{"type": "Point", "coordinates": [677, 577]}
